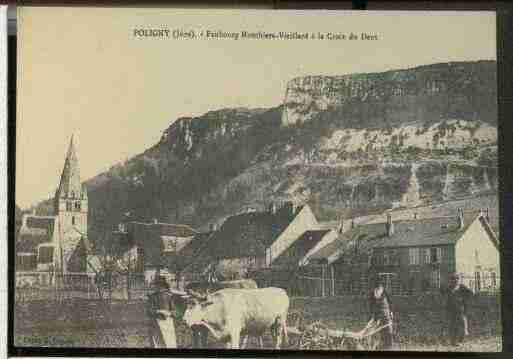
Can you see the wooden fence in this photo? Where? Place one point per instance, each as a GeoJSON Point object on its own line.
{"type": "Point", "coordinates": [32, 286]}
{"type": "Point", "coordinates": [315, 286]}
{"type": "Point", "coordinates": [49, 286]}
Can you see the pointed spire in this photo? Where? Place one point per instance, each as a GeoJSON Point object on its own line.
{"type": "Point", "coordinates": [71, 147]}
{"type": "Point", "coordinates": [70, 186]}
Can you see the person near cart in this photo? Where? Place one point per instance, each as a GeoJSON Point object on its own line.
{"type": "Point", "coordinates": [380, 308]}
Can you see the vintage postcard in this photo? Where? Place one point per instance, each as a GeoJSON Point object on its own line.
{"type": "Point", "coordinates": [257, 179]}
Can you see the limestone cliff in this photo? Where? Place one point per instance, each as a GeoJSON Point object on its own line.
{"type": "Point", "coordinates": [349, 144]}
{"type": "Point", "coordinates": [464, 90]}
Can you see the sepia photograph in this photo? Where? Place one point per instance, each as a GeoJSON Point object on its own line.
{"type": "Point", "coordinates": [257, 179]}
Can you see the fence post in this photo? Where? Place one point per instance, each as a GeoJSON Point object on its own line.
{"type": "Point", "coordinates": [332, 281]}
{"type": "Point", "coordinates": [322, 282]}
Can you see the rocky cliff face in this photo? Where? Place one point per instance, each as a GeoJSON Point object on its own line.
{"type": "Point", "coordinates": [427, 93]}
{"type": "Point", "coordinates": [346, 144]}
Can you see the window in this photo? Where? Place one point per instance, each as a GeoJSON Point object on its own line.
{"type": "Point", "coordinates": [45, 255]}
{"type": "Point", "coordinates": [431, 255]}
{"type": "Point", "coordinates": [493, 278]}
{"type": "Point", "coordinates": [68, 206]}
{"type": "Point", "coordinates": [73, 220]}
{"type": "Point", "coordinates": [435, 279]}
{"type": "Point", "coordinates": [426, 254]}
{"type": "Point", "coordinates": [436, 255]}
{"type": "Point", "coordinates": [414, 256]}
{"type": "Point", "coordinates": [77, 206]}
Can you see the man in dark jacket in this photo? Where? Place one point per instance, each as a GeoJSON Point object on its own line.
{"type": "Point", "coordinates": [458, 298]}
{"type": "Point", "coordinates": [163, 307]}
{"type": "Point", "coordinates": [380, 307]}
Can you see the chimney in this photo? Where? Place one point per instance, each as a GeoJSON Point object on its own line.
{"type": "Point", "coordinates": [460, 219]}
{"type": "Point", "coordinates": [155, 221]}
{"type": "Point", "coordinates": [212, 227]}
{"type": "Point", "coordinates": [121, 227]}
{"type": "Point", "coordinates": [415, 215]}
{"type": "Point", "coordinates": [389, 225]}
{"type": "Point", "coordinates": [272, 208]}
{"type": "Point", "coordinates": [487, 214]}
{"type": "Point", "coordinates": [352, 223]}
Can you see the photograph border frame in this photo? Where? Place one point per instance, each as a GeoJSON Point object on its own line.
{"type": "Point", "coordinates": [505, 146]}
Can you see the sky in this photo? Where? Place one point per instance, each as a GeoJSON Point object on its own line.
{"type": "Point", "coordinates": [81, 71]}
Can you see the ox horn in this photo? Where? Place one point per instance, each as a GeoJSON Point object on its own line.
{"type": "Point", "coordinates": [179, 293]}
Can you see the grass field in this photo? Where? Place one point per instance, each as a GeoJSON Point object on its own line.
{"type": "Point", "coordinates": [81, 323]}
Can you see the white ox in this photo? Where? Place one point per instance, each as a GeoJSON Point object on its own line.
{"type": "Point", "coordinates": [201, 289]}
{"type": "Point", "coordinates": [230, 313]}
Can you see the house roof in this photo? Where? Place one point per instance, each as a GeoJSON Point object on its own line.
{"type": "Point", "coordinates": [300, 248]}
{"type": "Point", "coordinates": [163, 229]}
{"type": "Point", "coordinates": [330, 249]}
{"type": "Point", "coordinates": [407, 233]}
{"type": "Point", "coordinates": [37, 230]}
{"type": "Point", "coordinates": [361, 235]}
{"type": "Point", "coordinates": [247, 234]}
{"type": "Point", "coordinates": [188, 253]}
{"type": "Point", "coordinates": [244, 235]}
{"type": "Point", "coordinates": [423, 232]}
{"type": "Point", "coordinates": [151, 237]}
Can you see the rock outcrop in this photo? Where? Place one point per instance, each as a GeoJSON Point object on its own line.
{"type": "Point", "coordinates": [464, 90]}
{"type": "Point", "coordinates": [352, 144]}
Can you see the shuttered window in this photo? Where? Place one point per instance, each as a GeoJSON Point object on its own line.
{"type": "Point", "coordinates": [414, 256]}
{"type": "Point", "coordinates": [435, 279]}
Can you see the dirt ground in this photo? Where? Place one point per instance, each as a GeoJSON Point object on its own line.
{"type": "Point", "coordinates": [81, 323]}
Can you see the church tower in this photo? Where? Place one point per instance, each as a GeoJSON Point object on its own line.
{"type": "Point", "coordinates": [70, 202]}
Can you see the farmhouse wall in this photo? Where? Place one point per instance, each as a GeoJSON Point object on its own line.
{"type": "Point", "coordinates": [476, 251]}
{"type": "Point", "coordinates": [416, 277]}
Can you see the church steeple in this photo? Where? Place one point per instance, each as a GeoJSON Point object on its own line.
{"type": "Point", "coordinates": [70, 206]}
{"type": "Point", "coordinates": [70, 200]}
{"type": "Point", "coordinates": [70, 186]}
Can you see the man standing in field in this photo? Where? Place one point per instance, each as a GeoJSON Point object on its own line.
{"type": "Point", "coordinates": [380, 308]}
{"type": "Point", "coordinates": [162, 308]}
{"type": "Point", "coordinates": [458, 297]}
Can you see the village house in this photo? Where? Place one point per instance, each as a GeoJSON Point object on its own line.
{"type": "Point", "coordinates": [154, 247]}
{"type": "Point", "coordinates": [252, 241]}
{"type": "Point", "coordinates": [420, 254]}
{"type": "Point", "coordinates": [413, 255]}
{"type": "Point", "coordinates": [59, 242]}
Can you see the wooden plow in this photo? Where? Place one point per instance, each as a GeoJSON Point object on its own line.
{"type": "Point", "coordinates": [317, 336]}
